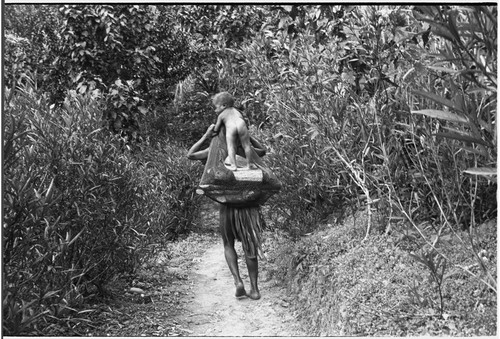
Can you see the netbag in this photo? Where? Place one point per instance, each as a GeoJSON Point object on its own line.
{"type": "Point", "coordinates": [243, 187]}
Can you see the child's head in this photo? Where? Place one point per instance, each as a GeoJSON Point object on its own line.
{"type": "Point", "coordinates": [223, 99]}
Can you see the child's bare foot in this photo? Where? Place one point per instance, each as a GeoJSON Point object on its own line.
{"type": "Point", "coordinates": [255, 295]}
{"type": "Point", "coordinates": [251, 167]}
{"type": "Point", "coordinates": [240, 290]}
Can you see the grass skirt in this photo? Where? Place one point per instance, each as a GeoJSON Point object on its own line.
{"type": "Point", "coordinates": [244, 224]}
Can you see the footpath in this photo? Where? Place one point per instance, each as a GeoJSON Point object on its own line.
{"type": "Point", "coordinates": [189, 291]}
{"type": "Point", "coordinates": [210, 307]}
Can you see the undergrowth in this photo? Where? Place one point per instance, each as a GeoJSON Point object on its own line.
{"type": "Point", "coordinates": [81, 206]}
{"type": "Point", "coordinates": [342, 285]}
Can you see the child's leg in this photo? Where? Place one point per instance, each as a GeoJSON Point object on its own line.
{"type": "Point", "coordinates": [247, 146]}
{"type": "Point", "coordinates": [231, 139]}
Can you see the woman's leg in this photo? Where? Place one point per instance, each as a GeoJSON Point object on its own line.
{"type": "Point", "coordinates": [232, 262]}
{"type": "Point", "coordinates": [230, 252]}
{"type": "Point", "coordinates": [253, 273]}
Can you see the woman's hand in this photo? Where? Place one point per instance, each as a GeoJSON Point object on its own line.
{"type": "Point", "coordinates": [210, 131]}
{"type": "Point", "coordinates": [194, 152]}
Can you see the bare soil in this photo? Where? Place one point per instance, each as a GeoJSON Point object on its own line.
{"type": "Point", "coordinates": [210, 307]}
{"type": "Point", "coordinates": [189, 291]}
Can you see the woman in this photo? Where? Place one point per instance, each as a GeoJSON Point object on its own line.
{"type": "Point", "coordinates": [230, 231]}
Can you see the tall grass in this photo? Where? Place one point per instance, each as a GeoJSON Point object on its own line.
{"type": "Point", "coordinates": [392, 148]}
{"type": "Point", "coordinates": [296, 104]}
{"type": "Point", "coordinates": [79, 206]}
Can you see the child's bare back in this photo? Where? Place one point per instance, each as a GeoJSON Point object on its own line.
{"type": "Point", "coordinates": [232, 120]}
{"type": "Point", "coordinates": [235, 128]}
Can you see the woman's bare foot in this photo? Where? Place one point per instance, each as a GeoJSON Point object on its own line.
{"type": "Point", "coordinates": [240, 290]}
{"type": "Point", "coordinates": [232, 167]}
{"type": "Point", "coordinates": [255, 295]}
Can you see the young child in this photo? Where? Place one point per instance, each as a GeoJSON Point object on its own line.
{"type": "Point", "coordinates": [235, 128]}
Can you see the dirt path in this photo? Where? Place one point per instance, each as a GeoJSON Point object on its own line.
{"type": "Point", "coordinates": [188, 290]}
{"type": "Point", "coordinates": [210, 308]}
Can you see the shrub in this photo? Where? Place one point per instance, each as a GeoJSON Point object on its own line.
{"type": "Point", "coordinates": [167, 182]}
{"type": "Point", "coordinates": [293, 100]}
{"type": "Point", "coordinates": [187, 117]}
{"type": "Point", "coordinates": [79, 206]}
{"type": "Point", "coordinates": [345, 127]}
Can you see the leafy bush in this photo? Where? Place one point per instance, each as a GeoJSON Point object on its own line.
{"type": "Point", "coordinates": [303, 115]}
{"type": "Point", "coordinates": [78, 207]}
{"type": "Point", "coordinates": [189, 120]}
{"type": "Point", "coordinates": [31, 31]}
{"type": "Point", "coordinates": [167, 180]}
{"type": "Point", "coordinates": [187, 117]}
{"type": "Point", "coordinates": [351, 133]}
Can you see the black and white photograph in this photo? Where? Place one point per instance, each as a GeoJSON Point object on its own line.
{"type": "Point", "coordinates": [240, 169]}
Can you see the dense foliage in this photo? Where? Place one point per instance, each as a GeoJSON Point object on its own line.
{"type": "Point", "coordinates": [349, 122]}
{"type": "Point", "coordinates": [387, 109]}
{"type": "Point", "coordinates": [80, 206]}
{"type": "Point", "coordinates": [395, 113]}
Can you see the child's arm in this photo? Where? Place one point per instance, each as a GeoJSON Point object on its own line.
{"type": "Point", "coordinates": [194, 152]}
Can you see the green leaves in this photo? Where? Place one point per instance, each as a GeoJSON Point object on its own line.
{"type": "Point", "coordinates": [461, 136]}
{"type": "Point", "coordinates": [468, 41]}
{"type": "Point", "coordinates": [439, 99]}
{"type": "Point", "coordinates": [434, 113]}
{"type": "Point", "coordinates": [78, 208]}
{"type": "Point", "coordinates": [489, 173]}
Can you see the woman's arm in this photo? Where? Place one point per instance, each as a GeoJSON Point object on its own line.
{"type": "Point", "coordinates": [218, 124]}
{"type": "Point", "coordinates": [259, 148]}
{"type": "Point", "coordinates": [194, 152]}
